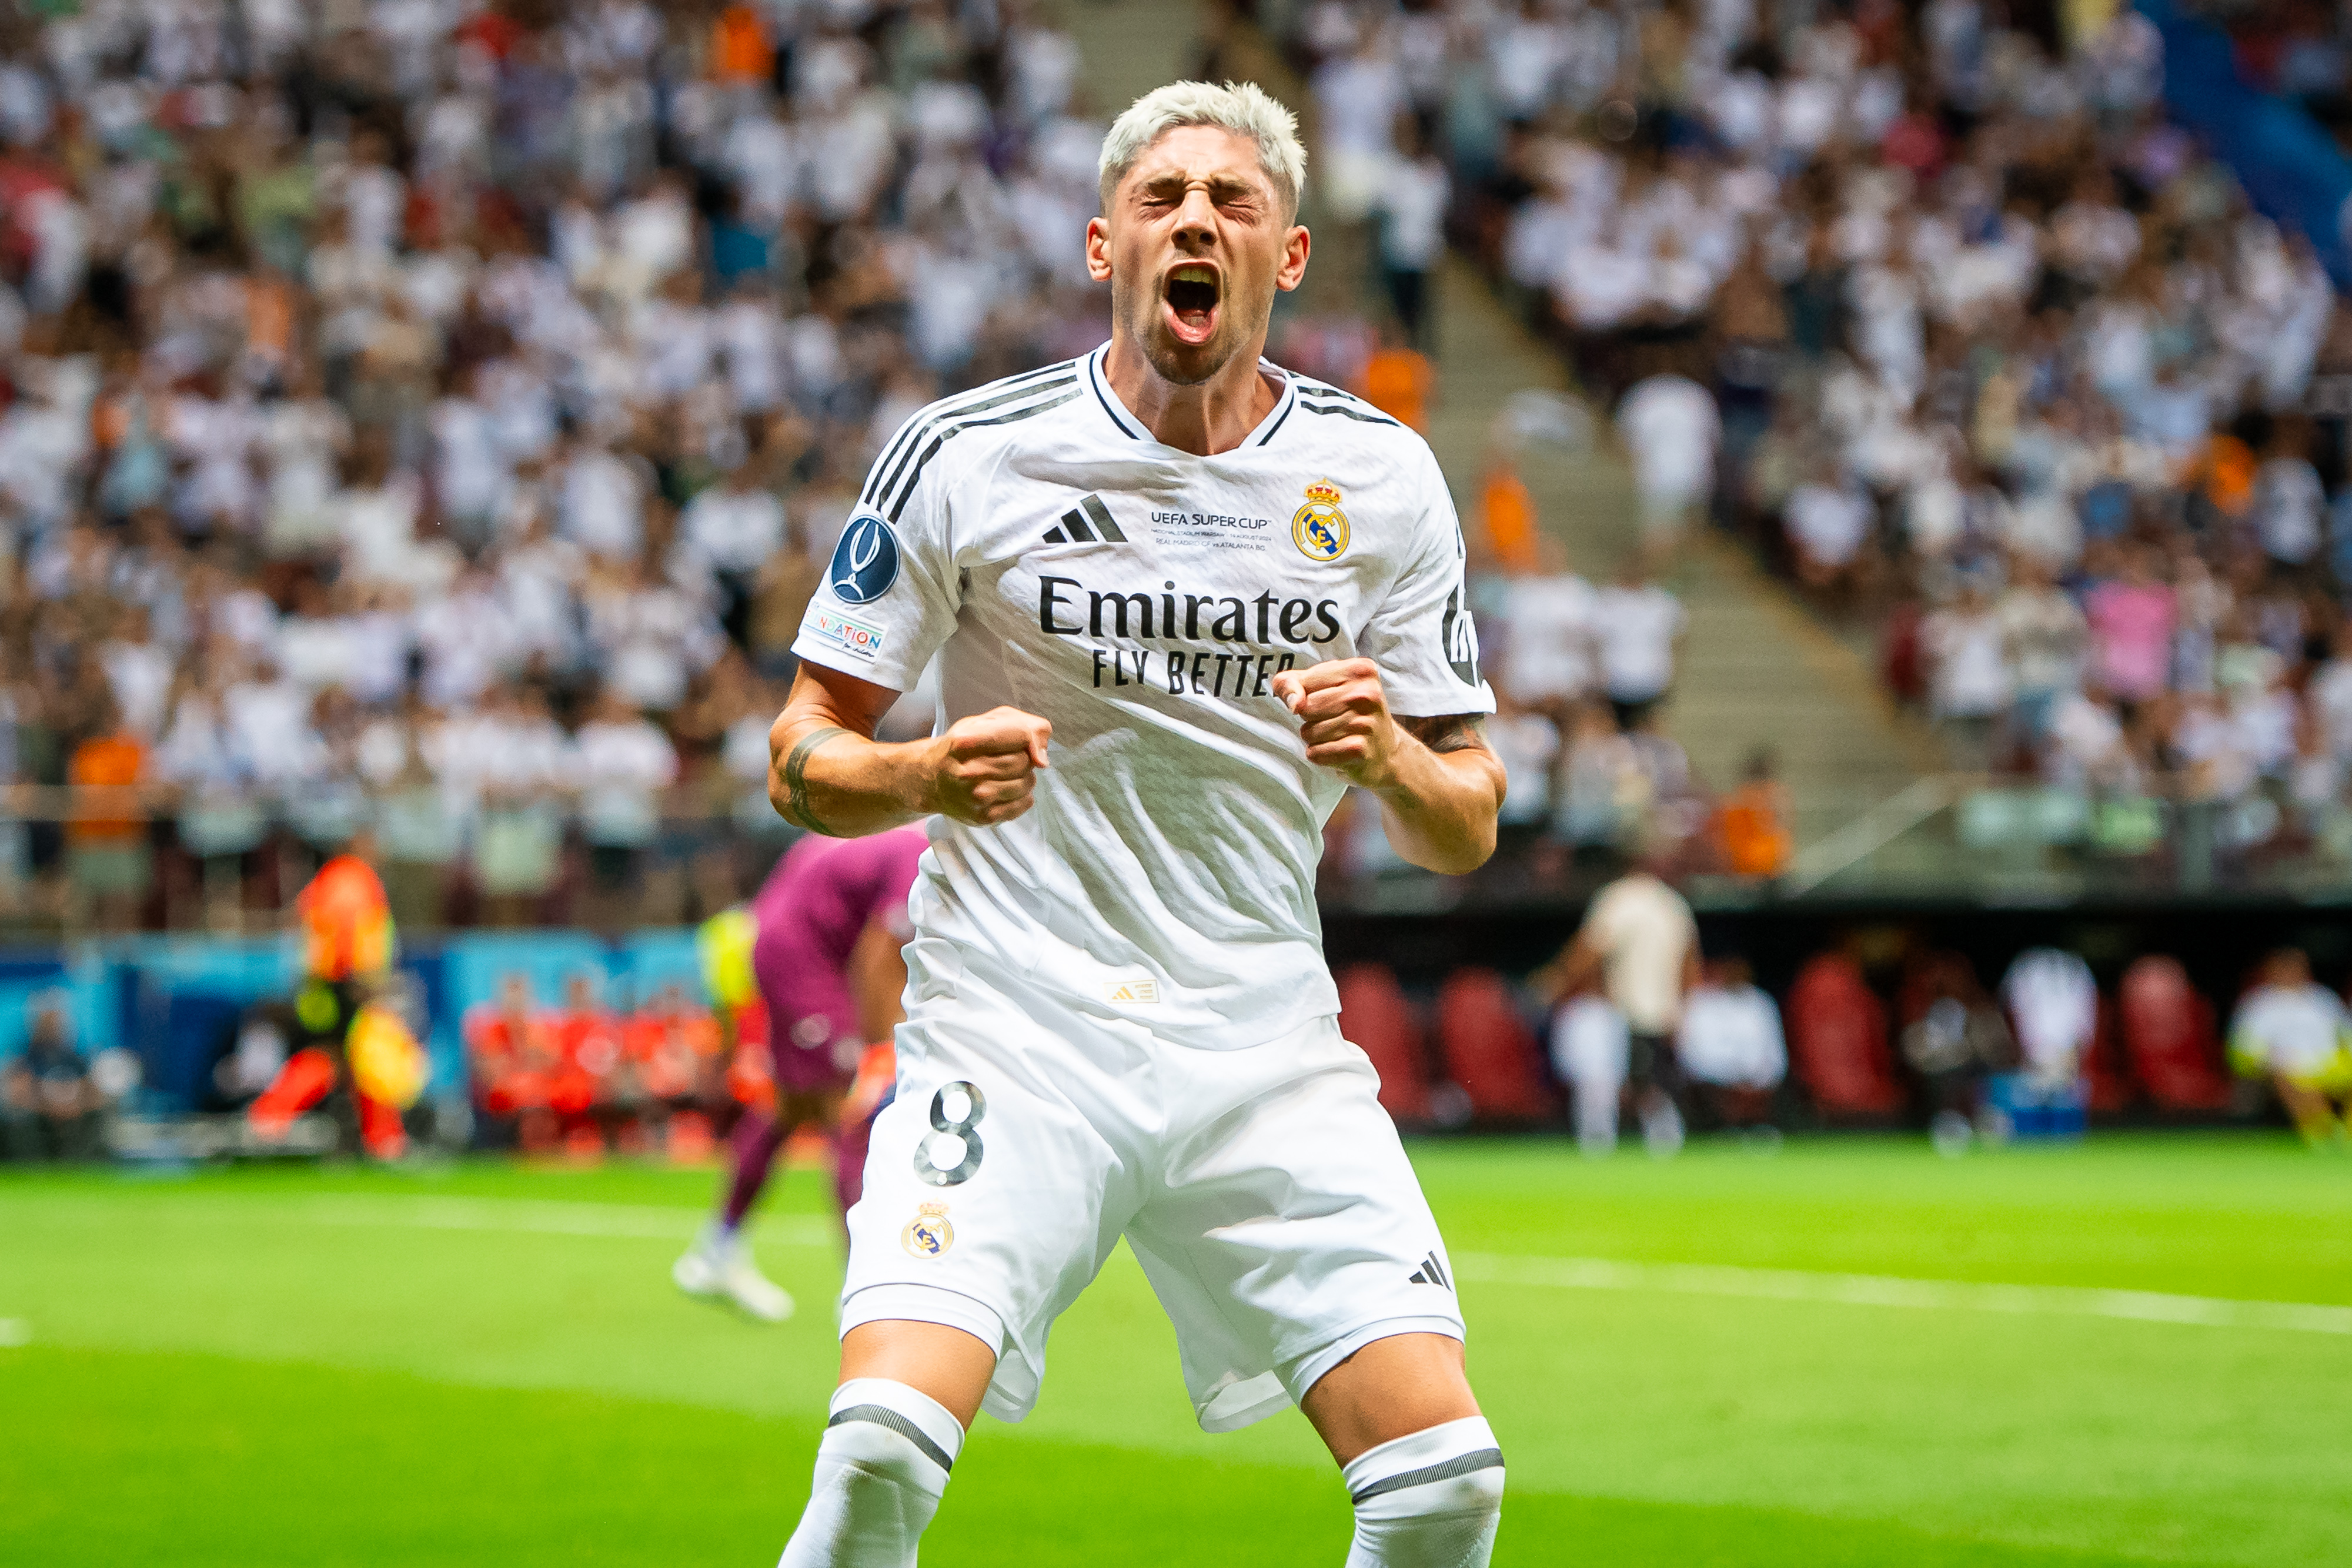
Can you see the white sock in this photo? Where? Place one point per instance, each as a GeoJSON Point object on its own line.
{"type": "Point", "coordinates": [880, 1473]}
{"type": "Point", "coordinates": [1428, 1501]}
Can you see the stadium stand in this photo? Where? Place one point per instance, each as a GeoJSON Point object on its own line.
{"type": "Point", "coordinates": [1986, 346]}
{"type": "Point", "coordinates": [428, 417]}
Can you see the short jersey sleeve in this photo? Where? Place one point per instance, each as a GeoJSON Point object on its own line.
{"type": "Point", "coordinates": [1422, 636]}
{"type": "Point", "coordinates": [888, 596]}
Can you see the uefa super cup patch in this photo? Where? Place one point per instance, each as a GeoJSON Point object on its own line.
{"type": "Point", "coordinates": [866, 562]}
{"type": "Point", "coordinates": [855, 636]}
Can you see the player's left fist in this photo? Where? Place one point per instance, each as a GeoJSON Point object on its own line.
{"type": "Point", "coordinates": [1343, 717]}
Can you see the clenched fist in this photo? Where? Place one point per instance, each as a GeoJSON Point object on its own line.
{"type": "Point", "coordinates": [1344, 719]}
{"type": "Point", "coordinates": [987, 767]}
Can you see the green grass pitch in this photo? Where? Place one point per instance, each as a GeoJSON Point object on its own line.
{"type": "Point", "coordinates": [488, 1364]}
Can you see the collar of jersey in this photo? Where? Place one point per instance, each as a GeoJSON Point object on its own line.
{"type": "Point", "coordinates": [1116, 411]}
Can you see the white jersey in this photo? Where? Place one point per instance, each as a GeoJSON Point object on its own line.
{"type": "Point", "coordinates": [1141, 599]}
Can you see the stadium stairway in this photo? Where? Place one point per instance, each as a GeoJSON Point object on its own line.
{"type": "Point", "coordinates": [1758, 668]}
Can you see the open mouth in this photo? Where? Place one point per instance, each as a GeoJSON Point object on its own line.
{"type": "Point", "coordinates": [1192, 292]}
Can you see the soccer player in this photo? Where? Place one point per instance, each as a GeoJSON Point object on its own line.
{"type": "Point", "coordinates": [1182, 600]}
{"type": "Point", "coordinates": [2295, 1032]}
{"type": "Point", "coordinates": [831, 918]}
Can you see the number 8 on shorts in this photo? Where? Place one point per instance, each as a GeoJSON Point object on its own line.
{"type": "Point", "coordinates": [951, 1152]}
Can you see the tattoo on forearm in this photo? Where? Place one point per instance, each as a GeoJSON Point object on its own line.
{"type": "Point", "coordinates": [796, 810]}
{"type": "Point", "coordinates": [1448, 732]}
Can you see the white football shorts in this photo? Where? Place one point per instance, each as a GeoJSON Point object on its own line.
{"type": "Point", "coordinates": [1263, 1190]}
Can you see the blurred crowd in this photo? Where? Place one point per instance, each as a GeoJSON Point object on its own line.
{"type": "Point", "coordinates": [426, 416]}
{"type": "Point", "coordinates": [1933, 303]}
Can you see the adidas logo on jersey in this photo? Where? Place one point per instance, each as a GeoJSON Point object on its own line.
{"type": "Point", "coordinates": [1432, 1272]}
{"type": "Point", "coordinates": [1085, 523]}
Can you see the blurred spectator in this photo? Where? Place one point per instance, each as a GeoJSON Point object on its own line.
{"type": "Point", "coordinates": [1968, 680]}
{"type": "Point", "coordinates": [1670, 428]}
{"type": "Point", "coordinates": [620, 765]}
{"type": "Point", "coordinates": [1398, 380]}
{"type": "Point", "coordinates": [2296, 1033]}
{"type": "Point", "coordinates": [1731, 1047]}
{"type": "Point", "coordinates": [1637, 628]}
{"type": "Point", "coordinates": [1956, 1038]}
{"type": "Point", "coordinates": [1640, 945]}
{"type": "Point", "coordinates": [112, 861]}
{"type": "Point", "coordinates": [1752, 825]}
{"type": "Point", "coordinates": [1590, 1051]}
{"type": "Point", "coordinates": [49, 1099]}
{"type": "Point", "coordinates": [1549, 657]}
{"type": "Point", "coordinates": [1413, 194]}
{"type": "Point", "coordinates": [2054, 1004]}
{"type": "Point", "coordinates": [1506, 515]}
{"type": "Point", "coordinates": [511, 1055]}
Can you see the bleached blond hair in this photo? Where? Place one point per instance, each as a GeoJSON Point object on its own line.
{"type": "Point", "coordinates": [1243, 108]}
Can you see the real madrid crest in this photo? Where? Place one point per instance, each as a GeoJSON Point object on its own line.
{"type": "Point", "coordinates": [929, 1233]}
{"type": "Point", "coordinates": [1319, 528]}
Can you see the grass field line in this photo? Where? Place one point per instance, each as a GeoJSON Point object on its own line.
{"type": "Point", "coordinates": [655, 1222]}
{"type": "Point", "coordinates": [1889, 1290]}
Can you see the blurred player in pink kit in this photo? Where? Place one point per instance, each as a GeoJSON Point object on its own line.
{"type": "Point", "coordinates": [831, 920]}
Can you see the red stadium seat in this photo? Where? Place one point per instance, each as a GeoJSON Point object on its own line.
{"type": "Point", "coordinates": [1375, 1013]}
{"type": "Point", "coordinates": [1837, 1039]}
{"type": "Point", "coordinates": [2169, 1038]}
{"type": "Point", "coordinates": [1488, 1049]}
{"type": "Point", "coordinates": [2112, 1089]}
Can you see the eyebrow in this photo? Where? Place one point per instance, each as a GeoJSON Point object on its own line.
{"type": "Point", "coordinates": [1222, 187]}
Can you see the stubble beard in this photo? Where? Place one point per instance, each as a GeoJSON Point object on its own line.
{"type": "Point", "coordinates": [1188, 364]}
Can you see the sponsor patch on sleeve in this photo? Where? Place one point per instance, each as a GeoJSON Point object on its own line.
{"type": "Point", "coordinates": [854, 637]}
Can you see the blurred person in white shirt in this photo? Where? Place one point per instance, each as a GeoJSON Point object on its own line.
{"type": "Point", "coordinates": [1526, 743]}
{"type": "Point", "coordinates": [621, 765]}
{"type": "Point", "coordinates": [1671, 429]}
{"type": "Point", "coordinates": [1640, 942]}
{"type": "Point", "coordinates": [2053, 1007]}
{"type": "Point", "coordinates": [725, 536]}
{"type": "Point", "coordinates": [1731, 1046]}
{"type": "Point", "coordinates": [1588, 1053]}
{"type": "Point", "coordinates": [1829, 521]}
{"type": "Point", "coordinates": [1411, 205]}
{"type": "Point", "coordinates": [2294, 1032]}
{"type": "Point", "coordinates": [1968, 678]}
{"type": "Point", "coordinates": [1638, 628]}
{"type": "Point", "coordinates": [1547, 648]}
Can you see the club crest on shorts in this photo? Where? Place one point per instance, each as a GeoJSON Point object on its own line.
{"type": "Point", "coordinates": [1319, 528]}
{"type": "Point", "coordinates": [929, 1234]}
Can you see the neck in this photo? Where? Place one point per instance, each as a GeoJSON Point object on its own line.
{"type": "Point", "coordinates": [1213, 416]}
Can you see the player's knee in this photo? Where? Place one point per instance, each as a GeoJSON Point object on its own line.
{"type": "Point", "coordinates": [1431, 1499]}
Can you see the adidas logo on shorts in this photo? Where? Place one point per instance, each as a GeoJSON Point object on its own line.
{"type": "Point", "coordinates": [1085, 523]}
{"type": "Point", "coordinates": [1432, 1272]}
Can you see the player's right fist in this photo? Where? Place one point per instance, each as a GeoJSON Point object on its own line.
{"type": "Point", "coordinates": [988, 766]}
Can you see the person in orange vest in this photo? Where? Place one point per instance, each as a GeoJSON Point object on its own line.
{"type": "Point", "coordinates": [344, 923]}
{"type": "Point", "coordinates": [741, 52]}
{"type": "Point", "coordinates": [1507, 512]}
{"type": "Point", "coordinates": [1751, 826]}
{"type": "Point", "coordinates": [1398, 380]}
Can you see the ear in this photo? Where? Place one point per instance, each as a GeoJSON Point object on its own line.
{"type": "Point", "coordinates": [1098, 249]}
{"type": "Point", "coordinates": [1295, 246]}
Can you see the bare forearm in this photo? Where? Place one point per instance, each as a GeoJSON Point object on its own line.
{"type": "Point", "coordinates": [825, 777]}
{"type": "Point", "coordinates": [828, 774]}
{"type": "Point", "coordinates": [1440, 806]}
